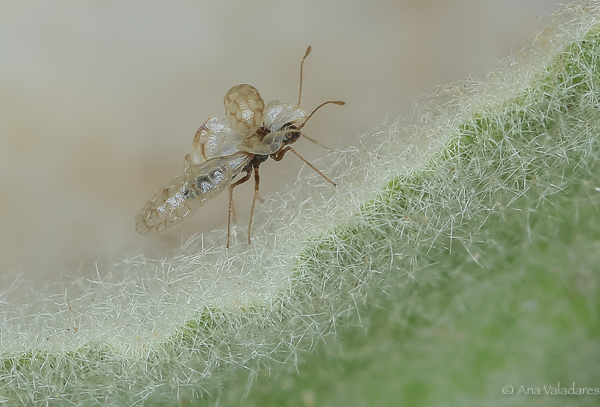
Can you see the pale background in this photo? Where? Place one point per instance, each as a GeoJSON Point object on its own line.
{"type": "Point", "coordinates": [100, 100]}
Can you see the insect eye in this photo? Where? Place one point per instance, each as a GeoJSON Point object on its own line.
{"type": "Point", "coordinates": [291, 137]}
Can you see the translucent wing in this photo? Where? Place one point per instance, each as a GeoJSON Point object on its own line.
{"type": "Point", "coordinates": [220, 136]}
{"type": "Point", "coordinates": [244, 109]}
{"type": "Point", "coordinates": [215, 138]}
{"type": "Point", "coordinates": [276, 115]}
{"type": "Point", "coordinates": [188, 192]}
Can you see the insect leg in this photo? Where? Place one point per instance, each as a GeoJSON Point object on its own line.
{"type": "Point", "coordinates": [312, 140]}
{"type": "Point", "coordinates": [256, 183]}
{"type": "Point", "coordinates": [279, 156]}
{"type": "Point", "coordinates": [235, 184]}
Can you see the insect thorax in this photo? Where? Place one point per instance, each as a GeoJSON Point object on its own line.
{"type": "Point", "coordinates": [258, 158]}
{"type": "Point", "coordinates": [292, 134]}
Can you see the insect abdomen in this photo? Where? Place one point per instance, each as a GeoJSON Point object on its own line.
{"type": "Point", "coordinates": [181, 196]}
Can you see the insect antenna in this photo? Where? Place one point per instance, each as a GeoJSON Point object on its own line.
{"type": "Point", "coordinates": [301, 73]}
{"type": "Point", "coordinates": [335, 102]}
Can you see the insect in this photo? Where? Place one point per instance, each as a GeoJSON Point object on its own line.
{"type": "Point", "coordinates": [224, 148]}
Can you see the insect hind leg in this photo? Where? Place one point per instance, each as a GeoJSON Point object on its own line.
{"type": "Point", "coordinates": [235, 184]}
{"type": "Point", "coordinates": [256, 185]}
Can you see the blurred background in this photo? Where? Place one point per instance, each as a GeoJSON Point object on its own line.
{"type": "Point", "coordinates": [100, 100]}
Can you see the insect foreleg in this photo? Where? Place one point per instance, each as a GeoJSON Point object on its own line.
{"type": "Point", "coordinates": [235, 184]}
{"type": "Point", "coordinates": [279, 156]}
{"type": "Point", "coordinates": [312, 140]}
